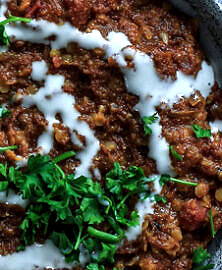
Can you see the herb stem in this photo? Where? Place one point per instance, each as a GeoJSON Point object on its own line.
{"type": "Point", "coordinates": [183, 182]}
{"type": "Point", "coordinates": [61, 171]}
{"type": "Point", "coordinates": [78, 240]}
{"type": "Point", "coordinates": [175, 154]}
{"type": "Point", "coordinates": [115, 226]}
{"type": "Point", "coordinates": [101, 200]}
{"type": "Point", "coordinates": [124, 199]}
{"type": "Point", "coordinates": [15, 19]}
{"type": "Point", "coordinates": [212, 224]}
{"type": "Point", "coordinates": [103, 235]}
{"type": "Point", "coordinates": [12, 147]}
{"type": "Point", "coordinates": [63, 156]}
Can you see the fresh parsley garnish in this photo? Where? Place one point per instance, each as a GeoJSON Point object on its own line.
{"type": "Point", "coordinates": [147, 121]}
{"type": "Point", "coordinates": [4, 112]}
{"type": "Point", "coordinates": [160, 198]}
{"type": "Point", "coordinates": [6, 148]}
{"type": "Point", "coordinates": [4, 38]}
{"type": "Point", "coordinates": [200, 132]}
{"type": "Point", "coordinates": [199, 256]}
{"type": "Point", "coordinates": [212, 224]}
{"type": "Point", "coordinates": [175, 154]}
{"type": "Point", "coordinates": [72, 211]}
{"type": "Point", "coordinates": [95, 266]}
{"type": "Point", "coordinates": [133, 179]}
{"type": "Point", "coordinates": [165, 178]}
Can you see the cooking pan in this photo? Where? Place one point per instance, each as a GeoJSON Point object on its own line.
{"type": "Point", "coordinates": [209, 13]}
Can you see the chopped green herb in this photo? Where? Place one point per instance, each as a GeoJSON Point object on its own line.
{"type": "Point", "coordinates": [201, 133]}
{"type": "Point", "coordinates": [175, 154]}
{"type": "Point", "coordinates": [4, 112]}
{"type": "Point", "coordinates": [132, 179]}
{"type": "Point", "coordinates": [4, 39]}
{"type": "Point", "coordinates": [199, 256]}
{"type": "Point", "coordinates": [95, 266]}
{"type": "Point", "coordinates": [159, 198]}
{"type": "Point", "coordinates": [212, 224]}
{"type": "Point", "coordinates": [147, 121]}
{"type": "Point", "coordinates": [76, 206]}
{"type": "Point", "coordinates": [12, 147]}
{"type": "Point", "coordinates": [64, 156]}
{"type": "Point", "coordinates": [165, 178]}
{"type": "Point", "coordinates": [107, 237]}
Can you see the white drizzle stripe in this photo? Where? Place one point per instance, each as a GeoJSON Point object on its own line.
{"type": "Point", "coordinates": [216, 126]}
{"type": "Point", "coordinates": [144, 82]}
{"type": "Point", "coordinates": [12, 198]}
{"type": "Point", "coordinates": [50, 99]}
{"type": "Point", "coordinates": [39, 70]}
{"type": "Point", "coordinates": [3, 9]}
{"type": "Point", "coordinates": [143, 207]}
{"type": "Point", "coordinates": [35, 257]}
{"type": "Point", "coordinates": [97, 174]}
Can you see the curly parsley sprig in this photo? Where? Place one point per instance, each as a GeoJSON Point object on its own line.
{"type": "Point", "coordinates": [72, 211]}
{"type": "Point", "coordinates": [200, 255]}
{"type": "Point", "coordinates": [200, 132]}
{"type": "Point", "coordinates": [147, 121]}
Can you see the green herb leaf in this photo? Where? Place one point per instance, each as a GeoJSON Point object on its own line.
{"type": "Point", "coordinates": [212, 224]}
{"type": "Point", "coordinates": [201, 133]}
{"type": "Point", "coordinates": [159, 198]}
{"type": "Point", "coordinates": [107, 253]}
{"type": "Point", "coordinates": [4, 39]}
{"type": "Point", "coordinates": [200, 255]}
{"type": "Point", "coordinates": [3, 185]}
{"type": "Point", "coordinates": [4, 112]}
{"type": "Point", "coordinates": [62, 242]}
{"type": "Point", "coordinates": [90, 211]}
{"type": "Point", "coordinates": [95, 266]}
{"type": "Point", "coordinates": [134, 219]}
{"type": "Point", "coordinates": [147, 121]}
{"type": "Point", "coordinates": [113, 182]}
{"type": "Point", "coordinates": [3, 170]}
{"type": "Point", "coordinates": [175, 154]}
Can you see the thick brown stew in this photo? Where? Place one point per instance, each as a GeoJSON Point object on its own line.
{"type": "Point", "coordinates": [170, 235]}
